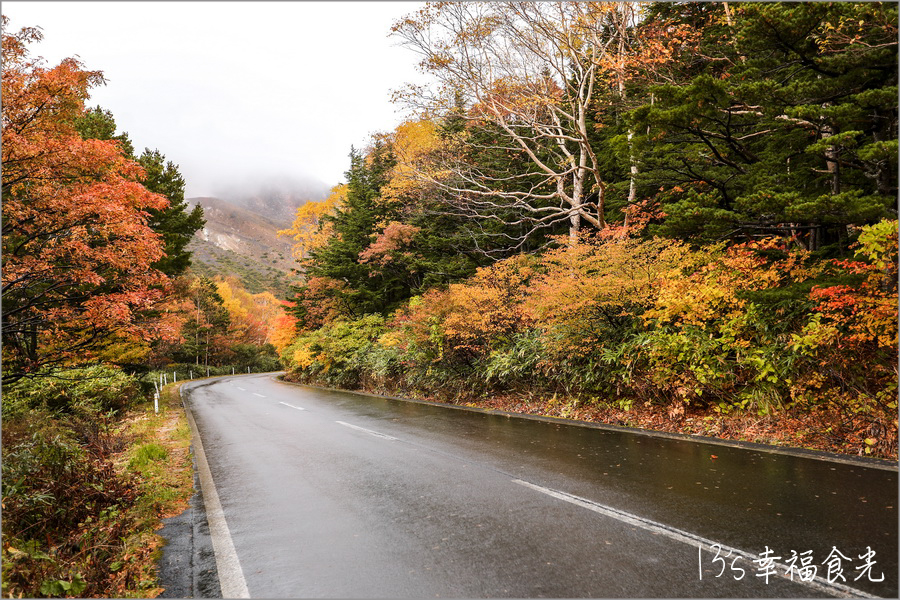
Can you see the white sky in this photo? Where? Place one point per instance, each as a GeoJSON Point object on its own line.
{"type": "Point", "coordinates": [236, 92]}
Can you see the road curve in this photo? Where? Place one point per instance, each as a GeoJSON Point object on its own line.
{"type": "Point", "coordinates": [329, 494]}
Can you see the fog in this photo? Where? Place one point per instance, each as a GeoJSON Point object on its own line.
{"type": "Point", "coordinates": [238, 94]}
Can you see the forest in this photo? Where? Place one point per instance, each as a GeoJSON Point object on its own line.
{"type": "Point", "coordinates": [674, 216]}
{"type": "Point", "coordinates": [100, 305]}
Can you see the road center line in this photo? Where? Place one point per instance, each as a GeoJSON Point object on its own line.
{"type": "Point", "coordinates": [818, 583]}
{"type": "Point", "coordinates": [369, 431]}
{"type": "Point", "coordinates": [260, 395]}
{"type": "Point", "coordinates": [292, 406]}
{"type": "Point", "coordinates": [240, 388]}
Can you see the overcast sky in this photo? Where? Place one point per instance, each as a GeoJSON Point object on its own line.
{"type": "Point", "coordinates": [236, 91]}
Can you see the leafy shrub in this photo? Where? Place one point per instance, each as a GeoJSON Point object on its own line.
{"type": "Point", "coordinates": [60, 507]}
{"type": "Point", "coordinates": [487, 311]}
{"type": "Point", "coordinates": [519, 363]}
{"type": "Point", "coordinates": [758, 326]}
{"type": "Point", "coordinates": [591, 294]}
{"type": "Point", "coordinates": [95, 389]}
{"type": "Point", "coordinates": [337, 353]}
{"type": "Point", "coordinates": [849, 341]}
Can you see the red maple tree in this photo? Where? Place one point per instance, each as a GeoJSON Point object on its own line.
{"type": "Point", "coordinates": [77, 247]}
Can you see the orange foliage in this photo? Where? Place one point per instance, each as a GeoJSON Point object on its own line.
{"type": "Point", "coordinates": [253, 317]}
{"type": "Point", "coordinates": [866, 314]}
{"type": "Point", "coordinates": [317, 304]}
{"type": "Point", "coordinates": [395, 237]}
{"type": "Point", "coordinates": [283, 329]}
{"type": "Point", "coordinates": [489, 307]}
{"type": "Point", "coordinates": [77, 247]}
{"type": "Point", "coordinates": [852, 336]}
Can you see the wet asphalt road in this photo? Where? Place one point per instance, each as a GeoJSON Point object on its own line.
{"type": "Point", "coordinates": [328, 494]}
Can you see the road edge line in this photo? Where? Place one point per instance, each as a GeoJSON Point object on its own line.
{"type": "Point", "coordinates": [881, 464]}
{"type": "Point", "coordinates": [228, 566]}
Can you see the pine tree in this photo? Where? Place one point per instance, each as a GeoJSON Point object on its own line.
{"type": "Point", "coordinates": [176, 224]}
{"type": "Point", "coordinates": [781, 118]}
{"type": "Point", "coordinates": [354, 225]}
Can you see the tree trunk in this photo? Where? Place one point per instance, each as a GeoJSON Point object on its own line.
{"type": "Point", "coordinates": [574, 227]}
{"type": "Point", "coordinates": [831, 162]}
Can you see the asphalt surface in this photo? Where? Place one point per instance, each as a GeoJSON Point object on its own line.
{"type": "Point", "coordinates": [187, 567]}
{"type": "Point", "coordinates": [330, 494]}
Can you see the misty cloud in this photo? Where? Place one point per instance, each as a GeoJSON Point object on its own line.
{"type": "Point", "coordinates": [239, 95]}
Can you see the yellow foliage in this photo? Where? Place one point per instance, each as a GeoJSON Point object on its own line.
{"type": "Point", "coordinates": [712, 292]}
{"type": "Point", "coordinates": [413, 142]}
{"type": "Point", "coordinates": [308, 230]}
{"type": "Point", "coordinates": [586, 287]}
{"type": "Point", "coordinates": [254, 318]}
{"type": "Point", "coordinates": [616, 275]}
{"type": "Point", "coordinates": [303, 357]}
{"type": "Point", "coordinates": [393, 338]}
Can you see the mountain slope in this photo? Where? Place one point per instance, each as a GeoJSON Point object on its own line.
{"type": "Point", "coordinates": [239, 241]}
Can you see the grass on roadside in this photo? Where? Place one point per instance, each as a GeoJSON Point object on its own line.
{"type": "Point", "coordinates": [83, 496]}
{"type": "Point", "coordinates": [159, 457]}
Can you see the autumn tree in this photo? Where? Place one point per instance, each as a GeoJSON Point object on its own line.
{"type": "Point", "coordinates": [310, 228]}
{"type": "Point", "coordinates": [175, 223]}
{"type": "Point", "coordinates": [422, 245]}
{"type": "Point", "coordinates": [78, 248]}
{"type": "Point", "coordinates": [252, 317]}
{"type": "Point", "coordinates": [204, 332]}
{"type": "Point", "coordinates": [354, 223]}
{"type": "Point", "coordinates": [528, 72]}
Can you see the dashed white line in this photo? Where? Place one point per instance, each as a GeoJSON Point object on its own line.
{"type": "Point", "coordinates": [240, 388]}
{"type": "Point", "coordinates": [260, 395]}
{"type": "Point", "coordinates": [292, 406]}
{"type": "Point", "coordinates": [818, 583]}
{"type": "Point", "coordinates": [369, 431]}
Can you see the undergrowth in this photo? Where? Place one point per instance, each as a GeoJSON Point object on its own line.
{"type": "Point", "coordinates": [84, 488]}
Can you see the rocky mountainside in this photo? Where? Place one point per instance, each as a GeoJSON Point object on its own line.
{"type": "Point", "coordinates": [242, 239]}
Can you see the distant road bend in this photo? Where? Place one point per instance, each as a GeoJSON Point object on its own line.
{"type": "Point", "coordinates": [332, 494]}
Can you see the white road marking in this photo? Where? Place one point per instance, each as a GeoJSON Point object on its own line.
{"type": "Point", "coordinates": [292, 406]}
{"type": "Point", "coordinates": [240, 388]}
{"type": "Point", "coordinates": [231, 576]}
{"type": "Point", "coordinates": [818, 583]}
{"type": "Point", "coordinates": [369, 431]}
{"type": "Point", "coordinates": [260, 395]}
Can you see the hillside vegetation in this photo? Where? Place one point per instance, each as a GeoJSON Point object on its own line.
{"type": "Point", "coordinates": [244, 242]}
{"type": "Point", "coordinates": [100, 306]}
{"type": "Point", "coordinates": [676, 216]}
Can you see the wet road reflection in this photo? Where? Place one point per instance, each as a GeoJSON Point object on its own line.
{"type": "Point", "coordinates": [747, 498]}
